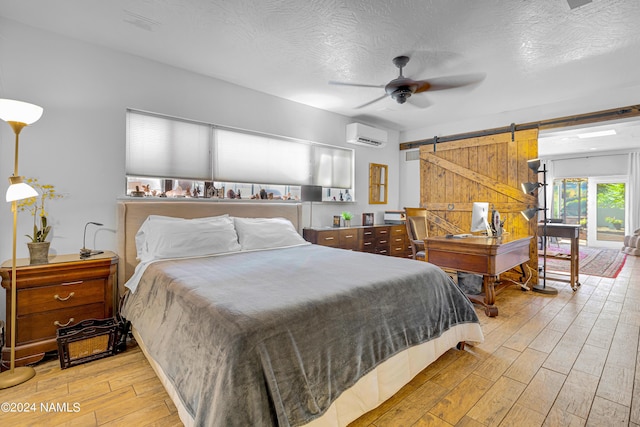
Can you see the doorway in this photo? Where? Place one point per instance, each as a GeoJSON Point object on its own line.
{"type": "Point", "coordinates": [597, 204]}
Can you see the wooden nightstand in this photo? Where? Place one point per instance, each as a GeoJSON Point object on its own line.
{"type": "Point", "coordinates": [63, 292]}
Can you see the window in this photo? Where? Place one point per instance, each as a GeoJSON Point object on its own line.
{"type": "Point", "coordinates": [177, 157]}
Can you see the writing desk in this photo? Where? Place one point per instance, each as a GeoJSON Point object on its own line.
{"type": "Point", "coordinates": [488, 256]}
{"type": "Point", "coordinates": [571, 232]}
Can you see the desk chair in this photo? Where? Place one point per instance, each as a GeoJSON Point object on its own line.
{"type": "Point", "coordinates": [416, 223]}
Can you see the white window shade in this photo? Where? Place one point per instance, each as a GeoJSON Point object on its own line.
{"type": "Point", "coordinates": [166, 147]}
{"type": "Point", "coordinates": [244, 157]}
{"type": "Point", "coordinates": [333, 167]}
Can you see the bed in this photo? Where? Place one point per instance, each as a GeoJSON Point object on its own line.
{"type": "Point", "coordinates": [270, 330]}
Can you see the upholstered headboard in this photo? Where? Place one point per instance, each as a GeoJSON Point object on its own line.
{"type": "Point", "coordinates": [132, 213]}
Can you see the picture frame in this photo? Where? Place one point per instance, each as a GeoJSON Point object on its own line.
{"type": "Point", "coordinates": [336, 220]}
{"type": "Point", "coordinates": [367, 219]}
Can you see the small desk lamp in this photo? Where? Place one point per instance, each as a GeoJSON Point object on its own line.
{"type": "Point", "coordinates": [84, 252]}
{"type": "Point", "coordinates": [18, 114]}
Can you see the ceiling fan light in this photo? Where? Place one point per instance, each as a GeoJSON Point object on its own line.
{"type": "Point", "coordinates": [401, 95]}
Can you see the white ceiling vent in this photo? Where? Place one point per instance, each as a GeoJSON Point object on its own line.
{"type": "Point", "coordinates": [360, 134]}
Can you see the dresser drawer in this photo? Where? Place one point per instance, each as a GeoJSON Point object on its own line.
{"type": "Point", "coordinates": [382, 250]}
{"type": "Point", "coordinates": [65, 295]}
{"type": "Point", "coordinates": [329, 238]}
{"type": "Point", "coordinates": [368, 233]}
{"type": "Point", "coordinates": [398, 250]}
{"type": "Point", "coordinates": [382, 233]}
{"type": "Point", "coordinates": [349, 238]}
{"type": "Point", "coordinates": [40, 326]}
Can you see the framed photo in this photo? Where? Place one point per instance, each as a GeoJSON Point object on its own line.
{"type": "Point", "coordinates": [336, 220]}
{"type": "Point", "coordinates": [367, 219]}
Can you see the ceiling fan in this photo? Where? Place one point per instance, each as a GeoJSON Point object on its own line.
{"type": "Point", "coordinates": [401, 88]}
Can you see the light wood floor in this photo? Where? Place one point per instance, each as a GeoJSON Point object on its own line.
{"type": "Point", "coordinates": [566, 360]}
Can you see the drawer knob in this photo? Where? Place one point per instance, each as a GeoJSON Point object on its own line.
{"type": "Point", "coordinates": [59, 298]}
{"type": "Point", "coordinates": [63, 324]}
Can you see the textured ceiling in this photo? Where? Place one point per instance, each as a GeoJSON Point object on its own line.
{"type": "Point", "coordinates": [531, 53]}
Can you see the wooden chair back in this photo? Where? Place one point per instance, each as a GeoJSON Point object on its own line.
{"type": "Point", "coordinates": [417, 230]}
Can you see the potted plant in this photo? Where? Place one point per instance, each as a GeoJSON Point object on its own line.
{"type": "Point", "coordinates": [38, 245]}
{"type": "Point", "coordinates": [346, 217]}
{"type": "Point", "coordinates": [617, 223]}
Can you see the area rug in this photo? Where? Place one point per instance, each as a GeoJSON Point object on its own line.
{"type": "Point", "coordinates": [593, 261]}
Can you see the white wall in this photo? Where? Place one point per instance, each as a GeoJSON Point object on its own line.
{"type": "Point", "coordinates": [79, 143]}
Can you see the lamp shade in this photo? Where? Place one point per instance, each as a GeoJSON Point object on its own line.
{"type": "Point", "coordinates": [18, 111]}
{"type": "Point", "coordinates": [534, 164]}
{"type": "Point", "coordinates": [530, 213]}
{"type": "Point", "coordinates": [311, 193]}
{"type": "Point", "coordinates": [18, 190]}
{"type": "Point", "coordinates": [530, 187]}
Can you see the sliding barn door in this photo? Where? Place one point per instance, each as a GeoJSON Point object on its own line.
{"type": "Point", "coordinates": [485, 169]}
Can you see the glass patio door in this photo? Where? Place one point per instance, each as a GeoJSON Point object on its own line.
{"type": "Point", "coordinates": [607, 203]}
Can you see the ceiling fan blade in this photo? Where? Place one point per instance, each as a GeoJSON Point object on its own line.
{"type": "Point", "coordinates": [449, 82]}
{"type": "Point", "coordinates": [419, 101]}
{"type": "Point", "coordinates": [354, 84]}
{"type": "Point", "coordinates": [371, 102]}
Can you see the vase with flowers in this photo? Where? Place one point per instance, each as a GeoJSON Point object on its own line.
{"type": "Point", "coordinates": [38, 245]}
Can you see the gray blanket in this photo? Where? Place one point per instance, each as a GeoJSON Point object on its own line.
{"type": "Point", "coordinates": [273, 337]}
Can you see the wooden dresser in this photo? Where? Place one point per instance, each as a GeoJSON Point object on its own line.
{"type": "Point", "coordinates": [378, 239]}
{"type": "Point", "coordinates": [63, 292]}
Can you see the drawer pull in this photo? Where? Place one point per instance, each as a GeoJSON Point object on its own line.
{"type": "Point", "coordinates": [328, 238]}
{"type": "Point", "coordinates": [72, 283]}
{"type": "Point", "coordinates": [56, 296]}
{"type": "Point", "coordinates": [63, 324]}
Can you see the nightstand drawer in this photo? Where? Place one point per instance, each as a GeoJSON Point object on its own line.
{"type": "Point", "coordinates": [40, 326]}
{"type": "Point", "coordinates": [72, 294]}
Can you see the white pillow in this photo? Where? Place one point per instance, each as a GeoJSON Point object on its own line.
{"type": "Point", "coordinates": [168, 237]}
{"type": "Point", "coordinates": [143, 231]}
{"type": "Point", "coordinates": [141, 235]}
{"type": "Point", "coordinates": [266, 233]}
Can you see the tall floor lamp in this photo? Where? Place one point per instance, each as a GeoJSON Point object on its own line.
{"type": "Point", "coordinates": [18, 114]}
{"type": "Point", "coordinates": [531, 188]}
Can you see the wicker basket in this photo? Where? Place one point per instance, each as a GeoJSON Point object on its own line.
{"type": "Point", "coordinates": [88, 340]}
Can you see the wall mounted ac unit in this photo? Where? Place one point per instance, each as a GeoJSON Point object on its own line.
{"type": "Point", "coordinates": [360, 134]}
